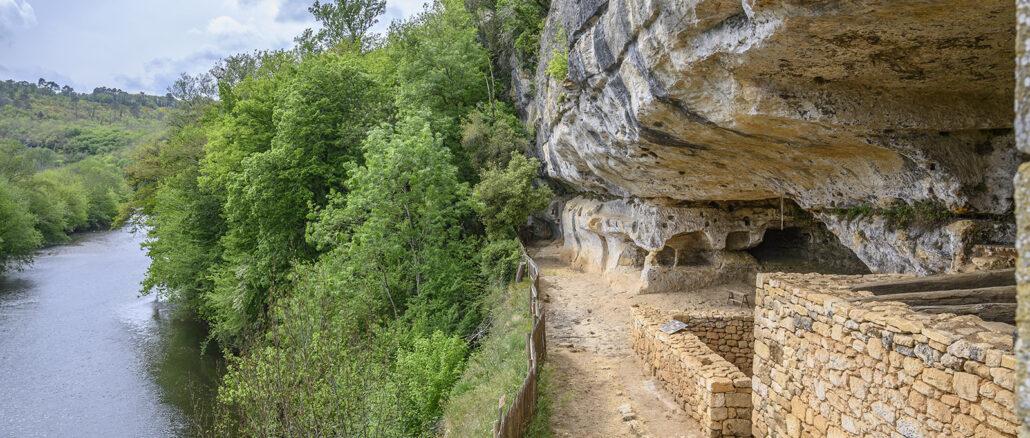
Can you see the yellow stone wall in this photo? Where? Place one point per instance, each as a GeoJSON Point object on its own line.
{"type": "Point", "coordinates": [827, 366]}
{"type": "Point", "coordinates": [712, 390]}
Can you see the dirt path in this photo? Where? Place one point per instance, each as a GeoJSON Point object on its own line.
{"type": "Point", "coordinates": [600, 385]}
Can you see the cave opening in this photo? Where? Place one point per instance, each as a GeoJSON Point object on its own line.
{"type": "Point", "coordinates": [806, 249]}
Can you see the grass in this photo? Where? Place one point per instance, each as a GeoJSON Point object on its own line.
{"type": "Point", "coordinates": [497, 367]}
{"type": "Point", "coordinates": [540, 426]}
{"type": "Point", "coordinates": [919, 214]}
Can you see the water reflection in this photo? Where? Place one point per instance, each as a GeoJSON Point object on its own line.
{"type": "Point", "coordinates": [81, 354]}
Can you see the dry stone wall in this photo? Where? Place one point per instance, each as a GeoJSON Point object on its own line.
{"type": "Point", "coordinates": [714, 391]}
{"type": "Point", "coordinates": [828, 366]}
{"type": "Point", "coordinates": [729, 334]}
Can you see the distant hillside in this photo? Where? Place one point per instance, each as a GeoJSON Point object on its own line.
{"type": "Point", "coordinates": [77, 125]}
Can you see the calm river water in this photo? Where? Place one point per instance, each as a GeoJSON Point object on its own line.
{"type": "Point", "coordinates": [82, 355]}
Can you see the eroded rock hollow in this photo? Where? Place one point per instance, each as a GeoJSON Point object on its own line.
{"type": "Point", "coordinates": [888, 123]}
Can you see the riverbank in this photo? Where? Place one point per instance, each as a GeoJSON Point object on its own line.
{"type": "Point", "coordinates": [82, 354]}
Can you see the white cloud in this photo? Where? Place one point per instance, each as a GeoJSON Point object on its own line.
{"type": "Point", "coordinates": [15, 15]}
{"type": "Point", "coordinates": [226, 25]}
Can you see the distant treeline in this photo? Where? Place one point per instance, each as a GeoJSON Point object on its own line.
{"type": "Point", "coordinates": [19, 93]}
{"type": "Point", "coordinates": [61, 160]}
{"type": "Point", "coordinates": [78, 125]}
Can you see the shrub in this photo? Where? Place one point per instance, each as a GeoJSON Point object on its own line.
{"type": "Point", "coordinates": [496, 369]}
{"type": "Point", "coordinates": [18, 235]}
{"type": "Point", "coordinates": [499, 260]}
{"type": "Point", "coordinates": [504, 198]}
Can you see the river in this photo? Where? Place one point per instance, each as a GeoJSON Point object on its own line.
{"type": "Point", "coordinates": [83, 355]}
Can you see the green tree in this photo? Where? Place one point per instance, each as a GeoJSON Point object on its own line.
{"type": "Point", "coordinates": [328, 107]}
{"type": "Point", "coordinates": [489, 135]}
{"type": "Point", "coordinates": [504, 198]}
{"type": "Point", "coordinates": [18, 235]}
{"type": "Point", "coordinates": [343, 21]}
{"type": "Point", "coordinates": [400, 226]}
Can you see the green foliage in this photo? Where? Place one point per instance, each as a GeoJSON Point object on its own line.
{"type": "Point", "coordinates": [325, 110]}
{"type": "Point", "coordinates": [105, 189]}
{"type": "Point", "coordinates": [18, 235]}
{"type": "Point", "coordinates": [524, 20]}
{"type": "Point", "coordinates": [424, 375]}
{"type": "Point", "coordinates": [58, 200]}
{"type": "Point", "coordinates": [439, 66]}
{"type": "Point", "coordinates": [512, 28]}
{"type": "Point", "coordinates": [919, 214]}
{"type": "Point", "coordinates": [505, 197]}
{"type": "Point", "coordinates": [77, 125]}
{"type": "Point", "coordinates": [558, 65]}
{"type": "Point", "coordinates": [547, 394]}
{"type": "Point", "coordinates": [499, 259]}
{"type": "Point", "coordinates": [400, 224]}
{"type": "Point", "coordinates": [490, 135]}
{"type": "Point", "coordinates": [497, 368]}
{"type": "Point", "coordinates": [319, 215]}
{"type": "Point", "coordinates": [343, 21]}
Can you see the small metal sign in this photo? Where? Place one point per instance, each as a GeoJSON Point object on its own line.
{"type": "Point", "coordinates": [672, 326]}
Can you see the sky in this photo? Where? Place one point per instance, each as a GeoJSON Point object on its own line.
{"type": "Point", "coordinates": [143, 45]}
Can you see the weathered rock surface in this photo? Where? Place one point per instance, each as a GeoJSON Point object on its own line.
{"type": "Point", "coordinates": [672, 248]}
{"type": "Point", "coordinates": [830, 104]}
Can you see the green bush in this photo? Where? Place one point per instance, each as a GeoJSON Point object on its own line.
{"type": "Point", "coordinates": [490, 135]}
{"type": "Point", "coordinates": [425, 374]}
{"type": "Point", "coordinates": [498, 260]}
{"type": "Point", "coordinates": [558, 66]}
{"type": "Point", "coordinates": [18, 235]}
{"type": "Point", "coordinates": [504, 198]}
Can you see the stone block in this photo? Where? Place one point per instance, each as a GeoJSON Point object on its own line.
{"type": "Point", "coordinates": [966, 386]}
{"type": "Point", "coordinates": [937, 378]}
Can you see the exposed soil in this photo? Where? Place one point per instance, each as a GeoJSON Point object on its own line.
{"type": "Point", "coordinates": [600, 387]}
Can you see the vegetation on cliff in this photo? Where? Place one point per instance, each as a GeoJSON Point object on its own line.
{"type": "Point", "coordinates": [339, 213]}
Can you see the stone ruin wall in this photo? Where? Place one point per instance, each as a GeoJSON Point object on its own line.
{"type": "Point", "coordinates": [712, 390]}
{"type": "Point", "coordinates": [728, 333]}
{"type": "Point", "coordinates": [835, 106]}
{"type": "Point", "coordinates": [827, 366]}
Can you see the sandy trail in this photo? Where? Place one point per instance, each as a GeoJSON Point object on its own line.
{"type": "Point", "coordinates": [599, 385]}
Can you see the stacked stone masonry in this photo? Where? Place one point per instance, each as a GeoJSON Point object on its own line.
{"type": "Point", "coordinates": [729, 334]}
{"type": "Point", "coordinates": [710, 388]}
{"type": "Point", "coordinates": [828, 366]}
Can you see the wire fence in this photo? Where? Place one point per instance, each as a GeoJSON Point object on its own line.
{"type": "Point", "coordinates": [513, 421]}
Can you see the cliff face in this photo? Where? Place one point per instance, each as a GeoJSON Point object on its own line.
{"type": "Point", "coordinates": [837, 106]}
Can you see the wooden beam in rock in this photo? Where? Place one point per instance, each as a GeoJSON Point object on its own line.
{"type": "Point", "coordinates": [971, 280]}
{"type": "Point", "coordinates": [997, 294]}
{"type": "Point", "coordinates": [999, 312]}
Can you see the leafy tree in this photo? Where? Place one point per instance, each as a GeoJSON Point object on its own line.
{"type": "Point", "coordinates": [343, 21]}
{"type": "Point", "coordinates": [400, 226]}
{"type": "Point", "coordinates": [323, 117]}
{"type": "Point", "coordinates": [499, 259]}
{"type": "Point", "coordinates": [490, 135]}
{"type": "Point", "coordinates": [439, 65]}
{"type": "Point", "coordinates": [105, 189]}
{"type": "Point", "coordinates": [504, 198]}
{"type": "Point", "coordinates": [18, 236]}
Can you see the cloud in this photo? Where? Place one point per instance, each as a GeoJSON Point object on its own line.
{"type": "Point", "coordinates": [15, 15]}
{"type": "Point", "coordinates": [226, 25]}
{"type": "Point", "coordinates": [160, 73]}
{"type": "Point", "coordinates": [294, 10]}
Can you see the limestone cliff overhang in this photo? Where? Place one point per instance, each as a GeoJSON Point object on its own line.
{"type": "Point", "coordinates": [828, 103]}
